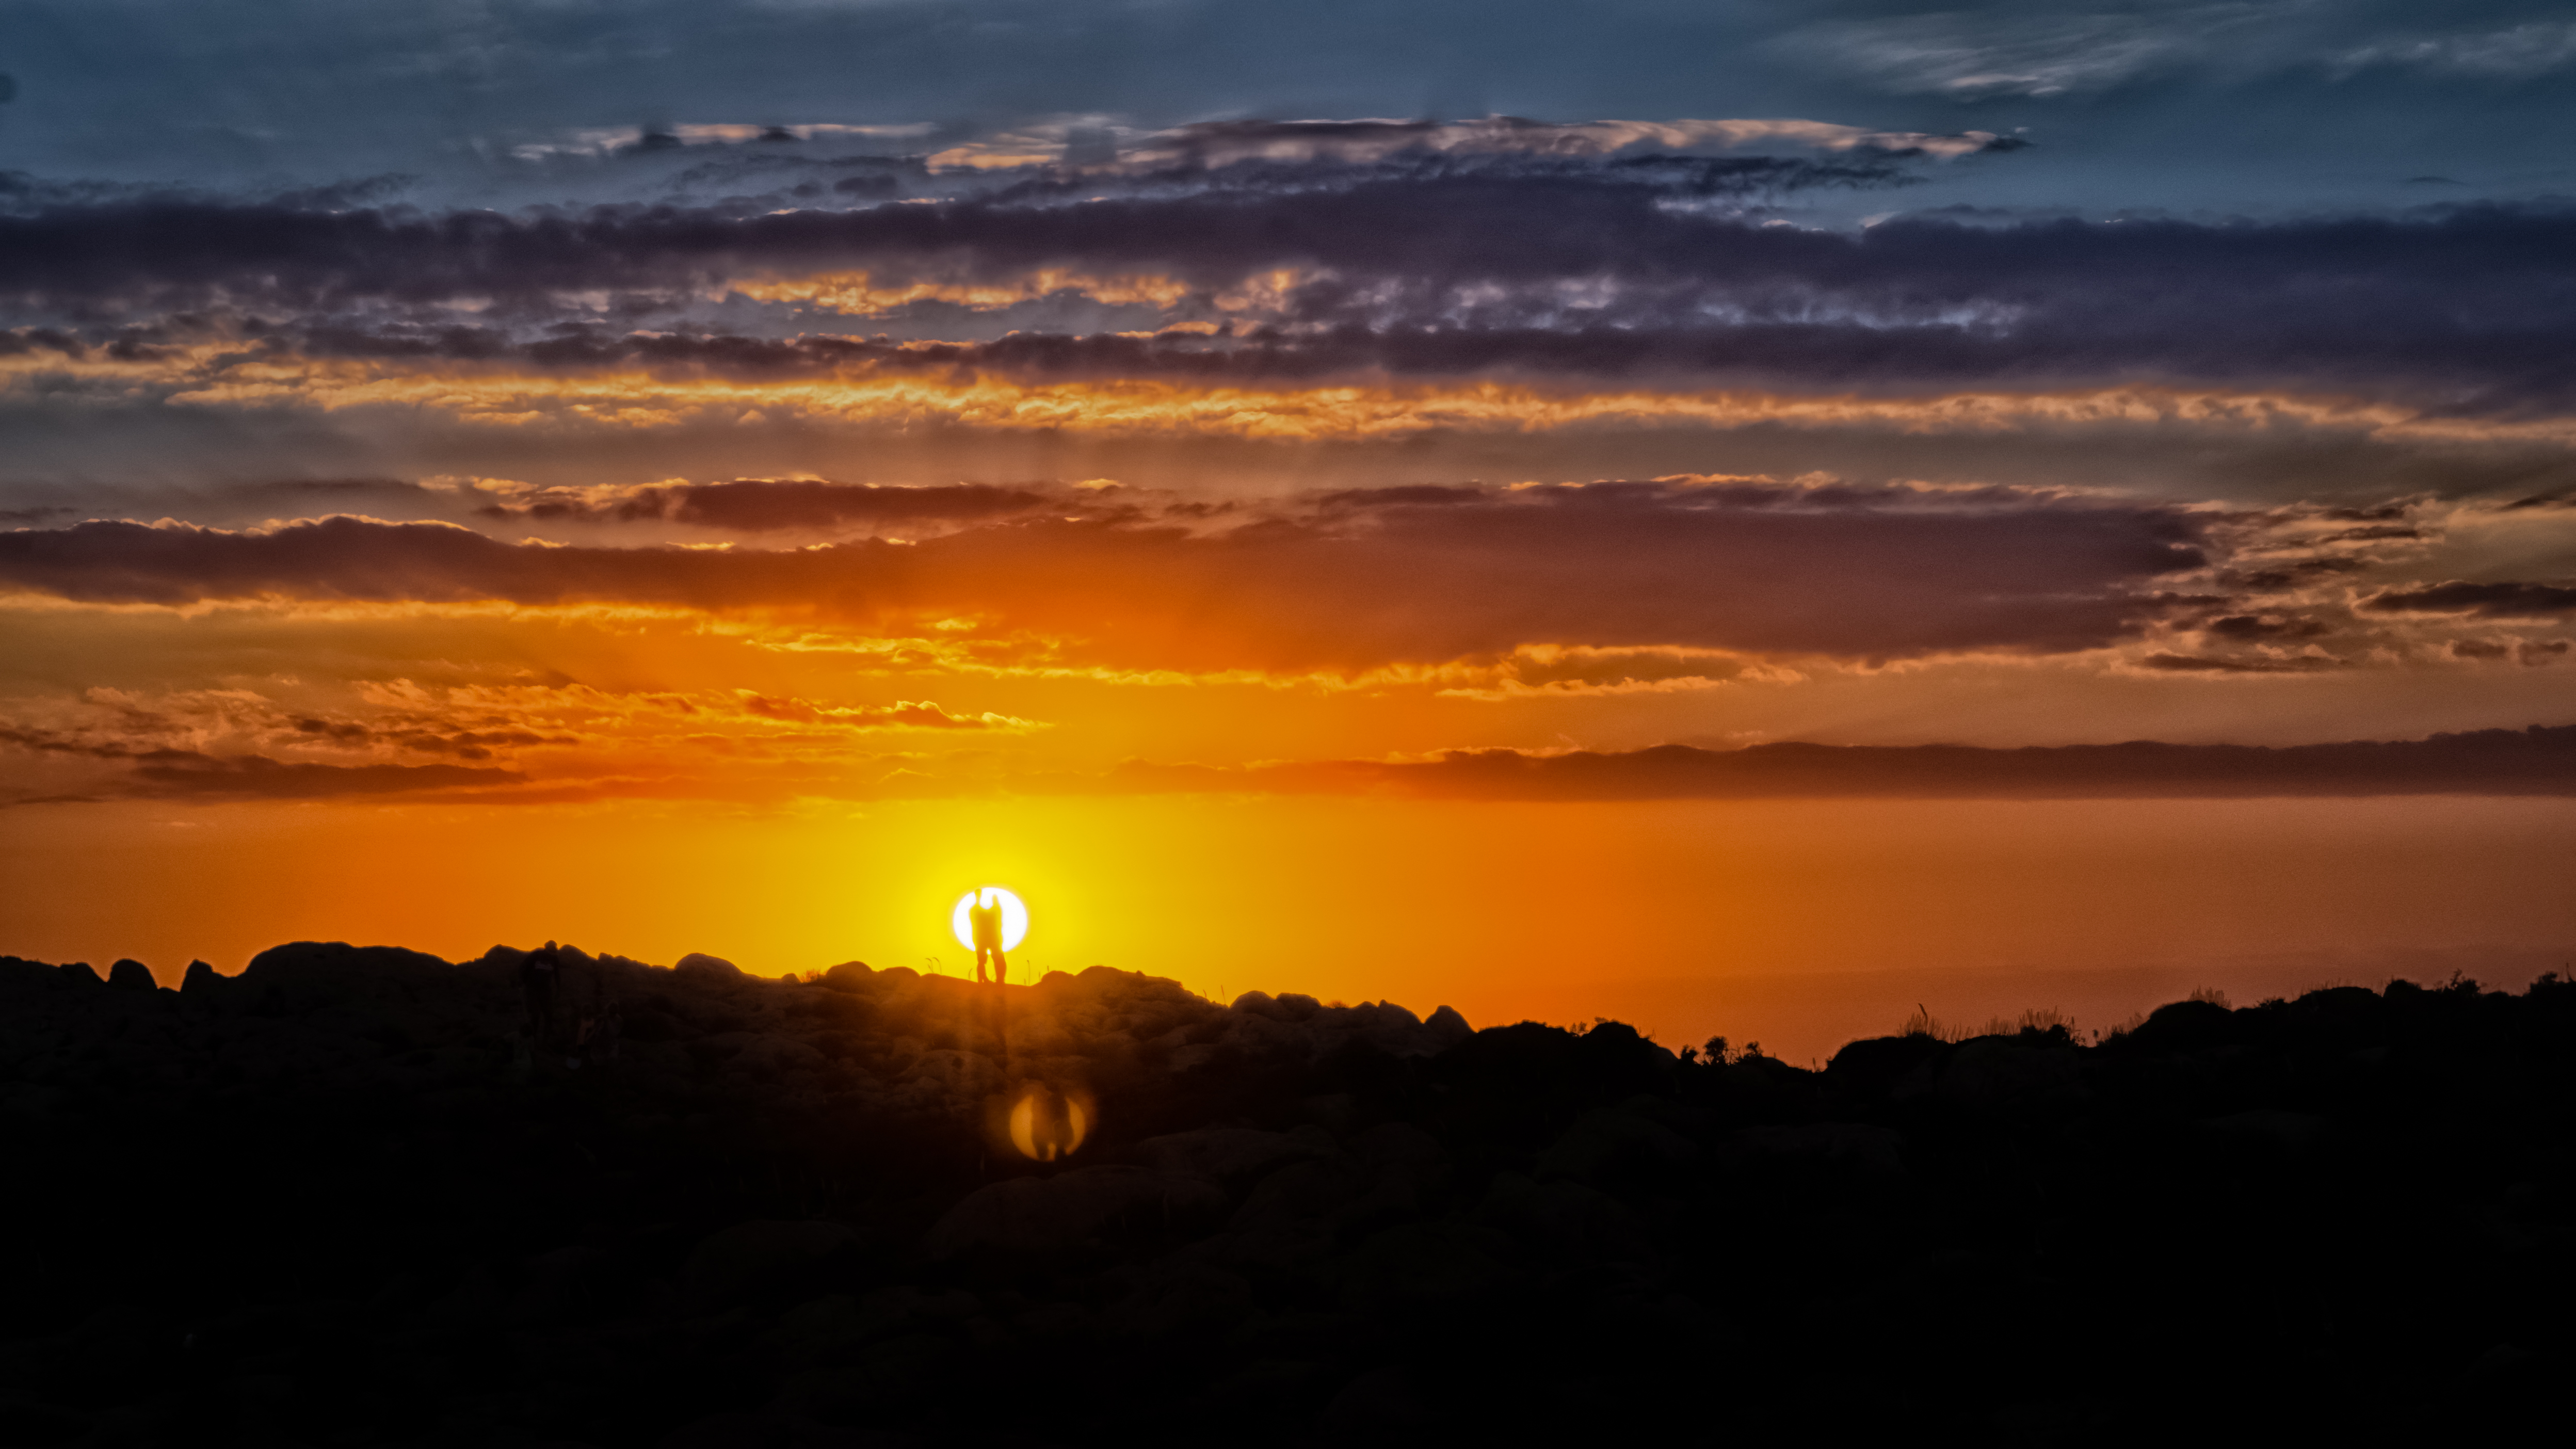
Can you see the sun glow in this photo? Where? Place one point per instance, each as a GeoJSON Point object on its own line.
{"type": "Point", "coordinates": [1015, 917]}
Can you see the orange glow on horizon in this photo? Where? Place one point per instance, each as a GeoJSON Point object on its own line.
{"type": "Point", "coordinates": [1799, 924]}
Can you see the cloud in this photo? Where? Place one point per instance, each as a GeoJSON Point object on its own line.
{"type": "Point", "coordinates": [2239, 664]}
{"type": "Point", "coordinates": [514, 742]}
{"type": "Point", "coordinates": [767, 505]}
{"type": "Point", "coordinates": [1099, 146]}
{"type": "Point", "coordinates": [2247, 628]}
{"type": "Point", "coordinates": [2486, 601]}
{"type": "Point", "coordinates": [184, 247]}
{"type": "Point", "coordinates": [2543, 501]}
{"type": "Point", "coordinates": [1221, 143]}
{"type": "Point", "coordinates": [2540, 760]}
{"type": "Point", "coordinates": [465, 744]}
{"type": "Point", "coordinates": [2514, 53]}
{"type": "Point", "coordinates": [190, 774]}
{"type": "Point", "coordinates": [902, 714]}
{"type": "Point", "coordinates": [1999, 51]}
{"type": "Point", "coordinates": [1581, 271]}
{"type": "Point", "coordinates": [1972, 54]}
{"type": "Point", "coordinates": [1850, 571]}
{"type": "Point", "coordinates": [184, 729]}
{"type": "Point", "coordinates": [257, 777]}
{"type": "Point", "coordinates": [2530, 653]}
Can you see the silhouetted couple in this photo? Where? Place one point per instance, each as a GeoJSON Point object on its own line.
{"type": "Point", "coordinates": [564, 1020]}
{"type": "Point", "coordinates": [985, 917]}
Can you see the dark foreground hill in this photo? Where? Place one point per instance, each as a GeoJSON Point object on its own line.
{"type": "Point", "coordinates": [345, 1199]}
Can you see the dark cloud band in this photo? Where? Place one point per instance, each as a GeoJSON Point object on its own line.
{"type": "Point", "coordinates": [1410, 579]}
{"type": "Point", "coordinates": [2492, 601]}
{"type": "Point", "coordinates": [2540, 760]}
{"type": "Point", "coordinates": [1448, 269]}
{"type": "Point", "coordinates": [769, 505]}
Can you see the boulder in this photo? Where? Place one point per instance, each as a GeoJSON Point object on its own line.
{"type": "Point", "coordinates": [1297, 1005]}
{"type": "Point", "coordinates": [2270, 1127]}
{"type": "Point", "coordinates": [1872, 1069]}
{"type": "Point", "coordinates": [1397, 1143]}
{"type": "Point", "coordinates": [849, 976]}
{"type": "Point", "coordinates": [1384, 1022]}
{"type": "Point", "coordinates": [733, 1429]}
{"type": "Point", "coordinates": [1067, 1210]}
{"type": "Point", "coordinates": [1231, 1154]}
{"type": "Point", "coordinates": [2346, 1006]}
{"type": "Point", "coordinates": [703, 967]}
{"type": "Point", "coordinates": [1562, 1219]}
{"type": "Point", "coordinates": [1287, 1006]}
{"type": "Point", "coordinates": [1399, 1032]}
{"type": "Point", "coordinates": [1381, 1403]}
{"type": "Point", "coordinates": [1418, 1261]}
{"type": "Point", "coordinates": [762, 1253]}
{"type": "Point", "coordinates": [1259, 1032]}
{"type": "Point", "coordinates": [1181, 1294]}
{"type": "Point", "coordinates": [131, 975]}
{"type": "Point", "coordinates": [1855, 1147]}
{"type": "Point", "coordinates": [769, 1053]}
{"type": "Point", "coordinates": [957, 1075]}
{"type": "Point", "coordinates": [305, 976]}
{"type": "Point", "coordinates": [1301, 1195]}
{"type": "Point", "coordinates": [1611, 1141]}
{"type": "Point", "coordinates": [2185, 1026]}
{"type": "Point", "coordinates": [1409, 1162]}
{"type": "Point", "coordinates": [1995, 1069]}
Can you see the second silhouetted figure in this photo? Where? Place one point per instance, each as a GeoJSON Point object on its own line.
{"type": "Point", "coordinates": [986, 918]}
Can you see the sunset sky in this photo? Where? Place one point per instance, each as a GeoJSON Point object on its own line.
{"type": "Point", "coordinates": [1650, 510]}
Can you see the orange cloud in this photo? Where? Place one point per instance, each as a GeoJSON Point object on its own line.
{"type": "Point", "coordinates": [859, 294]}
{"type": "Point", "coordinates": [300, 740]}
{"type": "Point", "coordinates": [902, 714]}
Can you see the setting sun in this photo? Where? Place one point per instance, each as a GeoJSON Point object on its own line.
{"type": "Point", "coordinates": [1015, 917]}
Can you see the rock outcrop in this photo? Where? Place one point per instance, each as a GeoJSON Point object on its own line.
{"type": "Point", "coordinates": [364, 1195]}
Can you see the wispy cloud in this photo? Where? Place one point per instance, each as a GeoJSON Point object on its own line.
{"type": "Point", "coordinates": [1971, 53]}
{"type": "Point", "coordinates": [2536, 761]}
{"type": "Point", "coordinates": [2513, 53]}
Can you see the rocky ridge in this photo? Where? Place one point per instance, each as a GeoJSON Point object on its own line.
{"type": "Point", "coordinates": [350, 1197]}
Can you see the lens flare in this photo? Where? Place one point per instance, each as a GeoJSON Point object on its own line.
{"type": "Point", "coordinates": [1046, 1126]}
{"type": "Point", "coordinates": [1015, 917]}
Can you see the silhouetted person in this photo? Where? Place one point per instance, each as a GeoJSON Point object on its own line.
{"type": "Point", "coordinates": [986, 917]}
{"type": "Point", "coordinates": [541, 982]}
{"type": "Point", "coordinates": [582, 1002]}
{"type": "Point", "coordinates": [601, 1030]}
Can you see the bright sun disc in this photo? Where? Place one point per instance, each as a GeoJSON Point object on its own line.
{"type": "Point", "coordinates": [1015, 918]}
